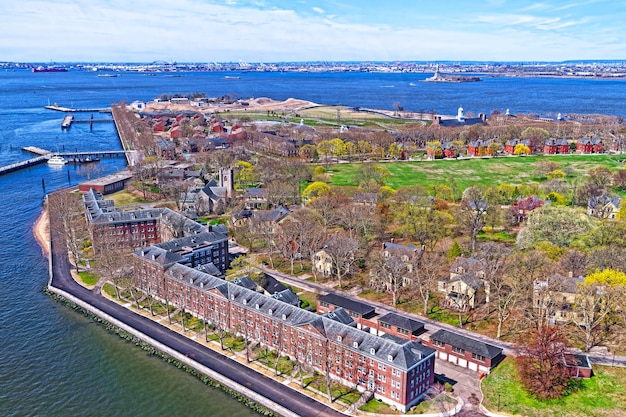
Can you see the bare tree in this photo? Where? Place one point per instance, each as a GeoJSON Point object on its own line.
{"type": "Point", "coordinates": [72, 225]}
{"type": "Point", "coordinates": [472, 214]}
{"type": "Point", "coordinates": [342, 250]}
{"type": "Point", "coordinates": [426, 269]}
{"type": "Point", "coordinates": [388, 274]}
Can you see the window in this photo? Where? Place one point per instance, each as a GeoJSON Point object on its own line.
{"type": "Point", "coordinates": [437, 343]}
{"type": "Point", "coordinates": [478, 357]}
{"type": "Point", "coordinates": [458, 350]}
{"type": "Point", "coordinates": [385, 325]}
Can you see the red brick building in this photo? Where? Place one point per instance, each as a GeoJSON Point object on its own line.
{"type": "Point", "coordinates": [554, 146]}
{"type": "Point", "coordinates": [589, 145]}
{"type": "Point", "coordinates": [108, 184]}
{"type": "Point", "coordinates": [399, 326]}
{"type": "Point", "coordinates": [398, 373]}
{"type": "Point", "coordinates": [509, 146]}
{"type": "Point", "coordinates": [361, 313]}
{"type": "Point", "coordinates": [464, 351]}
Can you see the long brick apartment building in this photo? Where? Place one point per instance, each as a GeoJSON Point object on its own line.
{"type": "Point", "coordinates": [397, 371]}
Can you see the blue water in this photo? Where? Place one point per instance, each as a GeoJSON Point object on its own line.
{"type": "Point", "coordinates": [55, 362]}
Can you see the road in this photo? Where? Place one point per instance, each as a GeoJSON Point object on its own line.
{"type": "Point", "coordinates": [235, 371]}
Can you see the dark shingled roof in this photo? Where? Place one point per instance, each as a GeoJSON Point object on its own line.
{"type": "Point", "coordinates": [340, 315]}
{"type": "Point", "coordinates": [350, 305]}
{"type": "Point", "coordinates": [406, 323]}
{"type": "Point", "coordinates": [466, 343]}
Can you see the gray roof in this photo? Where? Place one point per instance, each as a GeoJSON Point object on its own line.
{"type": "Point", "coordinates": [287, 296]}
{"type": "Point", "coordinates": [274, 215]}
{"type": "Point", "coordinates": [192, 242]}
{"type": "Point", "coordinates": [209, 268]}
{"type": "Point", "coordinates": [402, 322]}
{"type": "Point", "coordinates": [347, 303]}
{"type": "Point", "coordinates": [404, 355]}
{"type": "Point", "coordinates": [245, 282]}
{"type": "Point", "coordinates": [602, 200]}
{"type": "Point", "coordinates": [467, 343]}
{"type": "Point", "coordinates": [340, 315]}
{"type": "Point", "coordinates": [270, 284]}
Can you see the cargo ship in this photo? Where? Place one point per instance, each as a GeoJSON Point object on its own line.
{"type": "Point", "coordinates": [49, 69]}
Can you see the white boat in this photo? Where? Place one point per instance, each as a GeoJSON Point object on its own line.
{"type": "Point", "coordinates": [57, 160]}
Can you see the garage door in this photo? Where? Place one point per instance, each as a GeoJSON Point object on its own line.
{"type": "Point", "coordinates": [452, 359]}
{"type": "Point", "coordinates": [443, 356]}
{"type": "Point", "coordinates": [473, 366]}
{"type": "Point", "coordinates": [463, 362]}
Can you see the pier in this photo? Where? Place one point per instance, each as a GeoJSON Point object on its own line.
{"type": "Point", "coordinates": [72, 110]}
{"type": "Point", "coordinates": [23, 164]}
{"type": "Point", "coordinates": [44, 155]}
{"type": "Point", "coordinates": [69, 120]}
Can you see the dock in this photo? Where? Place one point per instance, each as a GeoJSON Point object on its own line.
{"type": "Point", "coordinates": [23, 164]}
{"type": "Point", "coordinates": [37, 151]}
{"type": "Point", "coordinates": [72, 110]}
{"type": "Point", "coordinates": [67, 121]}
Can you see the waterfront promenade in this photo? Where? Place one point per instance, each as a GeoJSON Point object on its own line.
{"type": "Point", "coordinates": [272, 394]}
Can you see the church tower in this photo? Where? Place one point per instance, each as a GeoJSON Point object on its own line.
{"type": "Point", "coordinates": [227, 180]}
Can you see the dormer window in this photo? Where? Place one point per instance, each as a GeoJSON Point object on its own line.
{"type": "Point", "coordinates": [372, 351]}
{"type": "Point", "coordinates": [284, 317]}
{"type": "Point", "coordinates": [270, 311]}
{"type": "Point", "coordinates": [245, 302]}
{"type": "Point", "coordinates": [390, 358]}
{"type": "Point", "coordinates": [355, 344]}
{"type": "Point", "coordinates": [339, 338]}
{"type": "Point", "coordinates": [257, 306]}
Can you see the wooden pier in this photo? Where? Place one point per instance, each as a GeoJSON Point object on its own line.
{"type": "Point", "coordinates": [36, 150]}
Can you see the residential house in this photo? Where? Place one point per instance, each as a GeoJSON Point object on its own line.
{"type": "Point", "coordinates": [323, 263]}
{"type": "Point", "coordinates": [479, 147]}
{"type": "Point", "coordinates": [603, 206]}
{"type": "Point", "coordinates": [554, 146]}
{"type": "Point", "coordinates": [406, 253]}
{"type": "Point", "coordinates": [450, 150]}
{"type": "Point", "coordinates": [523, 206]}
{"type": "Point", "coordinates": [255, 198]}
{"type": "Point", "coordinates": [464, 351]}
{"type": "Point", "coordinates": [509, 146]}
{"type": "Point", "coordinates": [555, 297]}
{"type": "Point", "coordinates": [589, 145]}
{"type": "Point", "coordinates": [165, 148]}
{"type": "Point", "coordinates": [268, 219]}
{"type": "Point", "coordinates": [465, 288]}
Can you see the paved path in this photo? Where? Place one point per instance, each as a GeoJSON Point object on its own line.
{"type": "Point", "coordinates": [244, 376]}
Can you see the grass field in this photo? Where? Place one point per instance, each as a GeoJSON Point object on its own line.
{"type": "Point", "coordinates": [124, 198]}
{"type": "Point", "coordinates": [602, 395]}
{"type": "Point", "coordinates": [475, 171]}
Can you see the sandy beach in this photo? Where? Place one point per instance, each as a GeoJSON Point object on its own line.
{"type": "Point", "coordinates": [42, 232]}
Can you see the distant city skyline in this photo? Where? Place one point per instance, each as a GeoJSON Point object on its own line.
{"type": "Point", "coordinates": [303, 30]}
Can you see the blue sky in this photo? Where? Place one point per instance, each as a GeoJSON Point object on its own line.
{"type": "Point", "coordinates": [303, 30]}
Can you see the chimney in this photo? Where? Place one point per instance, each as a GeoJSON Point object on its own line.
{"type": "Point", "coordinates": [570, 274]}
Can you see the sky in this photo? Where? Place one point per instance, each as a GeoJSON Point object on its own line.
{"type": "Point", "coordinates": [205, 31]}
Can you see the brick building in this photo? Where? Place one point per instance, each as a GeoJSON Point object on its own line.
{"type": "Point", "coordinates": [396, 372]}
{"type": "Point", "coordinates": [135, 228]}
{"type": "Point", "coordinates": [465, 351]}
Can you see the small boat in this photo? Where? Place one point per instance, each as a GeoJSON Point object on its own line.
{"type": "Point", "coordinates": [230, 77]}
{"type": "Point", "coordinates": [57, 160]}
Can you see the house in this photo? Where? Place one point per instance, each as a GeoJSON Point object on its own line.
{"type": "Point", "coordinates": [255, 198]}
{"type": "Point", "coordinates": [268, 219]}
{"type": "Point", "coordinates": [577, 365]}
{"type": "Point", "coordinates": [555, 297]}
{"type": "Point", "coordinates": [464, 351]}
{"type": "Point", "coordinates": [165, 148]}
{"type": "Point", "coordinates": [365, 199]}
{"type": "Point", "coordinates": [509, 146]}
{"type": "Point", "coordinates": [523, 206]}
{"type": "Point", "coordinates": [465, 288]}
{"type": "Point", "coordinates": [589, 145]}
{"type": "Point", "coordinates": [479, 147]}
{"type": "Point", "coordinates": [406, 253]}
{"type": "Point", "coordinates": [397, 372]}
{"type": "Point", "coordinates": [554, 146]}
{"type": "Point", "coordinates": [450, 150]}
{"type": "Point", "coordinates": [399, 326]}
{"type": "Point", "coordinates": [603, 206]}
{"type": "Point", "coordinates": [360, 312]}
{"type": "Point", "coordinates": [323, 263]}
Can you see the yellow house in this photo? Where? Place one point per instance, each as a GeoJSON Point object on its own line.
{"type": "Point", "coordinates": [465, 288]}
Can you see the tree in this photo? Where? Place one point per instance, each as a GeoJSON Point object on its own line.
{"type": "Point", "coordinates": [472, 213]}
{"type": "Point", "coordinates": [521, 149]}
{"type": "Point", "coordinates": [72, 225]}
{"type": "Point", "coordinates": [388, 274]}
{"type": "Point", "coordinates": [596, 298]}
{"type": "Point", "coordinates": [540, 364]}
{"type": "Point", "coordinates": [314, 190]}
{"type": "Point", "coordinates": [536, 135]}
{"type": "Point", "coordinates": [419, 221]}
{"type": "Point", "coordinates": [342, 251]}
{"type": "Point", "coordinates": [558, 225]}
{"type": "Point", "coordinates": [425, 271]}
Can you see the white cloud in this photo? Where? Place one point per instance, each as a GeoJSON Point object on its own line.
{"type": "Point", "coordinates": [318, 10]}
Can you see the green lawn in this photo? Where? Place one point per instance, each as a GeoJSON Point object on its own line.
{"type": "Point", "coordinates": [88, 278]}
{"type": "Point", "coordinates": [602, 395]}
{"type": "Point", "coordinates": [124, 198]}
{"type": "Point", "coordinates": [475, 171]}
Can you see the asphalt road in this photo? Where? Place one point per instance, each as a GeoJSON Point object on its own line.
{"type": "Point", "coordinates": [235, 371]}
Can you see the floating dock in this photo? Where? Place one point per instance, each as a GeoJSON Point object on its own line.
{"type": "Point", "coordinates": [23, 164]}
{"type": "Point", "coordinates": [67, 122]}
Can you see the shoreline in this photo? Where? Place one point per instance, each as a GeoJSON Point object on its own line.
{"type": "Point", "coordinates": [41, 232]}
